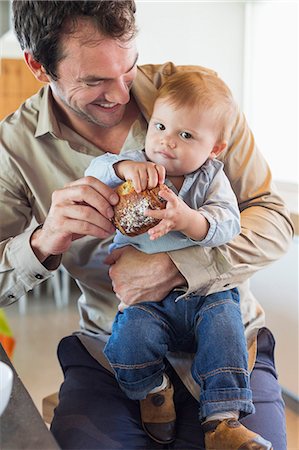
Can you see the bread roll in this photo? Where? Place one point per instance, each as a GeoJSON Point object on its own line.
{"type": "Point", "coordinates": [129, 216]}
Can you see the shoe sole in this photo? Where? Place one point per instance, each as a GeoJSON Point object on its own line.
{"type": "Point", "coordinates": [158, 440]}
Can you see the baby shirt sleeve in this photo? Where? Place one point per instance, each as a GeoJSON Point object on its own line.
{"type": "Point", "coordinates": [220, 208]}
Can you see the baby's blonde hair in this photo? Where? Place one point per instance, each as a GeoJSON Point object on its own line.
{"type": "Point", "coordinates": [206, 92]}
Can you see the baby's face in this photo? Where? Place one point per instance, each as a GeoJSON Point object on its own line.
{"type": "Point", "coordinates": [181, 139]}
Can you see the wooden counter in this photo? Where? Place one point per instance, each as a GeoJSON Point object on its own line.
{"type": "Point", "coordinates": [17, 83]}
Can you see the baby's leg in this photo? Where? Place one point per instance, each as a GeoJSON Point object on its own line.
{"type": "Point", "coordinates": [220, 368]}
{"type": "Point", "coordinates": [220, 363]}
{"type": "Point", "coordinates": [136, 350]}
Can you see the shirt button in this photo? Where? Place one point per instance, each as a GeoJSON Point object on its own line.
{"type": "Point", "coordinates": [39, 276]}
{"type": "Point", "coordinates": [226, 285]}
{"type": "Point", "coordinates": [11, 296]}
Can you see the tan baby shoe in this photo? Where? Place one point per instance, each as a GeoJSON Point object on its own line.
{"type": "Point", "coordinates": [230, 434]}
{"type": "Point", "coordinates": [158, 415]}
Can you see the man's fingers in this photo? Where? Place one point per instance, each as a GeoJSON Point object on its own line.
{"type": "Point", "coordinates": [105, 191]}
{"type": "Point", "coordinates": [83, 228]}
{"type": "Point", "coordinates": [83, 207]}
{"type": "Point", "coordinates": [86, 215]}
{"type": "Point", "coordinates": [90, 206]}
{"type": "Point", "coordinates": [84, 195]}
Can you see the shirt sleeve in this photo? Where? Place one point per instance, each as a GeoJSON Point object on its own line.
{"type": "Point", "coordinates": [20, 270]}
{"type": "Point", "coordinates": [220, 208]}
{"type": "Point", "coordinates": [266, 229]}
{"type": "Point", "coordinates": [26, 271]}
{"type": "Point", "coordinates": [102, 166]}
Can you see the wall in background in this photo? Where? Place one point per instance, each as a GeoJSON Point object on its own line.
{"type": "Point", "coordinates": [276, 287]}
{"type": "Point", "coordinates": [271, 83]}
{"type": "Point", "coordinates": [208, 33]}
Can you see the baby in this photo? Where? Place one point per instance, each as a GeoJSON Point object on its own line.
{"type": "Point", "coordinates": [192, 120]}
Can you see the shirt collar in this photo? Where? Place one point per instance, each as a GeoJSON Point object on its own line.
{"type": "Point", "coordinates": [47, 122]}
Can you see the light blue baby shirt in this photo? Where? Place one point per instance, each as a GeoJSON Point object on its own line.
{"type": "Point", "coordinates": [207, 190]}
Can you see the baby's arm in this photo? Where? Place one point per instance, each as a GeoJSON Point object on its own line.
{"type": "Point", "coordinates": [178, 216]}
{"type": "Point", "coordinates": [131, 165]}
{"type": "Point", "coordinates": [214, 223]}
{"type": "Point", "coordinates": [144, 175]}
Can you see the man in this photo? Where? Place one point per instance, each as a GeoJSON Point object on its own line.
{"type": "Point", "coordinates": [97, 100]}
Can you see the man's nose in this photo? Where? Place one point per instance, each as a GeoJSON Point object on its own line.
{"type": "Point", "coordinates": [118, 92]}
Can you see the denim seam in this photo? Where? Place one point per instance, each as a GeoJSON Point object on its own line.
{"type": "Point", "coordinates": [137, 366]}
{"type": "Point", "coordinates": [213, 305]}
{"type": "Point", "coordinates": [223, 370]}
{"type": "Point", "coordinates": [222, 302]}
{"type": "Point", "coordinates": [153, 314]}
{"type": "Point", "coordinates": [245, 400]}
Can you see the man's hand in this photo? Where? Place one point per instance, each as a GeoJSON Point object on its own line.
{"type": "Point", "coordinates": [81, 208]}
{"type": "Point", "coordinates": [139, 277]}
{"type": "Point", "coordinates": [144, 175]}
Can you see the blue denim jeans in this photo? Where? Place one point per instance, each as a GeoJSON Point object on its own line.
{"type": "Point", "coordinates": [93, 412]}
{"type": "Point", "coordinates": [210, 327]}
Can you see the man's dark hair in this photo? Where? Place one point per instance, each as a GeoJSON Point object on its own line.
{"type": "Point", "coordinates": [39, 25]}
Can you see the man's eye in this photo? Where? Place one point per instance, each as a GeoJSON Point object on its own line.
{"type": "Point", "coordinates": [160, 126]}
{"type": "Point", "coordinates": [92, 83]}
{"type": "Point", "coordinates": [185, 135]}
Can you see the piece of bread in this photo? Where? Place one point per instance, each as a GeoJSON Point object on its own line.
{"type": "Point", "coordinates": [129, 216]}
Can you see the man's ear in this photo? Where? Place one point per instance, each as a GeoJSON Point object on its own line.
{"type": "Point", "coordinates": [36, 68]}
{"type": "Point", "coordinates": [217, 149]}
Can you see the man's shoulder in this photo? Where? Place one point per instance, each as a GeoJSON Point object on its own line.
{"type": "Point", "coordinates": [23, 120]}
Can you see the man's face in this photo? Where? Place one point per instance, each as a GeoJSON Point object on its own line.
{"type": "Point", "coordinates": [95, 76]}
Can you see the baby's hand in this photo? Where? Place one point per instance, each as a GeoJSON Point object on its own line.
{"type": "Point", "coordinates": [144, 175]}
{"type": "Point", "coordinates": [174, 217]}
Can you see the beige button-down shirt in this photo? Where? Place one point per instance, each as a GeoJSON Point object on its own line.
{"type": "Point", "coordinates": [38, 155]}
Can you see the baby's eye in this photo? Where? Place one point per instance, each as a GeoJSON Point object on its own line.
{"type": "Point", "coordinates": [186, 135]}
{"type": "Point", "coordinates": [160, 126]}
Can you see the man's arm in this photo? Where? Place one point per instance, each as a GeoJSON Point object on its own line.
{"type": "Point", "coordinates": [82, 208]}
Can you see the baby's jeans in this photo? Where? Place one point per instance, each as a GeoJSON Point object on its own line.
{"type": "Point", "coordinates": [210, 327]}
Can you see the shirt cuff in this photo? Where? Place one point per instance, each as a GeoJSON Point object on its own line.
{"type": "Point", "coordinates": [28, 271]}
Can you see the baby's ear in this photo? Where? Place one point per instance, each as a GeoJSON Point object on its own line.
{"type": "Point", "coordinates": [217, 149]}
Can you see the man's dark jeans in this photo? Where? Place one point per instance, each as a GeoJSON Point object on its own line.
{"type": "Point", "coordinates": [94, 414]}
